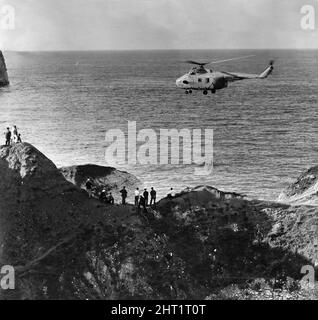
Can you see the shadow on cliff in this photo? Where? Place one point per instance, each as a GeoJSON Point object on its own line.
{"type": "Point", "coordinates": [225, 240]}
{"type": "Point", "coordinates": [174, 252]}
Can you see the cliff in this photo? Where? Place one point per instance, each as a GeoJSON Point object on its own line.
{"type": "Point", "coordinates": [202, 243]}
{"type": "Point", "coordinates": [304, 191]}
{"type": "Point", "coordinates": [38, 206]}
{"type": "Point", "coordinates": [4, 79]}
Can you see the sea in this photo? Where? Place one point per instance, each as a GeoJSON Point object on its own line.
{"type": "Point", "coordinates": [265, 132]}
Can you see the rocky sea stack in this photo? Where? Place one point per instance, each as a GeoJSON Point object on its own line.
{"type": "Point", "coordinates": [203, 243]}
{"type": "Point", "coordinates": [4, 79]}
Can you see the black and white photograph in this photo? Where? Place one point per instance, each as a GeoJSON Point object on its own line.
{"type": "Point", "coordinates": [158, 151]}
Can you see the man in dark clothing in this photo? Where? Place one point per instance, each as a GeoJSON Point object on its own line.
{"type": "Point", "coordinates": [8, 137]}
{"type": "Point", "coordinates": [142, 203]}
{"type": "Point", "coordinates": [146, 196]}
{"type": "Point", "coordinates": [123, 195]}
{"type": "Point", "coordinates": [137, 195]}
{"type": "Point", "coordinates": [153, 195]}
{"type": "Point", "coordinates": [110, 199]}
{"type": "Point", "coordinates": [89, 187]}
{"type": "Point", "coordinates": [103, 196]}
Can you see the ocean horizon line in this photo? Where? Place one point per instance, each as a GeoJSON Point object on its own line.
{"type": "Point", "coordinates": [162, 50]}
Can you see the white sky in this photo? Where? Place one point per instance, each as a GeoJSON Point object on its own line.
{"type": "Point", "coordinates": [157, 24]}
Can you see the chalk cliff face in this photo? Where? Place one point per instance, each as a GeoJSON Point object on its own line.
{"type": "Point", "coordinates": [196, 245]}
{"type": "Point", "coordinates": [4, 79]}
{"type": "Point", "coordinates": [304, 191]}
{"type": "Point", "coordinates": [37, 205]}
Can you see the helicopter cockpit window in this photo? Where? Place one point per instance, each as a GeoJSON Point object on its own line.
{"type": "Point", "coordinates": [193, 71]}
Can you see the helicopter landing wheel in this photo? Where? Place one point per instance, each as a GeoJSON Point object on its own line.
{"type": "Point", "coordinates": [213, 91]}
{"type": "Point", "coordinates": [205, 92]}
{"type": "Point", "coordinates": [190, 91]}
{"type": "Point", "coordinates": [186, 92]}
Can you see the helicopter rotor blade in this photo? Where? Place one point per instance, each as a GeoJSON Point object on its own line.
{"type": "Point", "coordinates": [233, 59]}
{"type": "Point", "coordinates": [218, 61]}
{"type": "Point", "coordinates": [196, 63]}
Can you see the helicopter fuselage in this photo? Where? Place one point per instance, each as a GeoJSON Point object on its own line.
{"type": "Point", "coordinates": [208, 80]}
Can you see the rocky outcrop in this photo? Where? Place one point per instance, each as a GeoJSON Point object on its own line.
{"type": "Point", "coordinates": [38, 206]}
{"type": "Point", "coordinates": [235, 241]}
{"type": "Point", "coordinates": [304, 191]}
{"type": "Point", "coordinates": [197, 244]}
{"type": "Point", "coordinates": [107, 178]}
{"type": "Point", "coordinates": [287, 227]}
{"type": "Point", "coordinates": [4, 79]}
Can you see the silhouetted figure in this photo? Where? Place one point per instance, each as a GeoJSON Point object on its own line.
{"type": "Point", "coordinates": [142, 203]}
{"type": "Point", "coordinates": [15, 130]}
{"type": "Point", "coordinates": [110, 199]}
{"type": "Point", "coordinates": [146, 196]}
{"type": "Point", "coordinates": [15, 134]}
{"type": "Point", "coordinates": [19, 138]}
{"type": "Point", "coordinates": [8, 137]}
{"type": "Point", "coordinates": [103, 196]}
{"type": "Point", "coordinates": [137, 195]}
{"type": "Point", "coordinates": [171, 194]}
{"type": "Point", "coordinates": [153, 195]}
{"type": "Point", "coordinates": [123, 195]}
{"type": "Point", "coordinates": [89, 187]}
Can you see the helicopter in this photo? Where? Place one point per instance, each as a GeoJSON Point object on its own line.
{"type": "Point", "coordinates": [201, 78]}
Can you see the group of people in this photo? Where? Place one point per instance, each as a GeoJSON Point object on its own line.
{"type": "Point", "coordinates": [141, 199]}
{"type": "Point", "coordinates": [104, 196]}
{"type": "Point", "coordinates": [12, 136]}
{"type": "Point", "coordinates": [144, 197]}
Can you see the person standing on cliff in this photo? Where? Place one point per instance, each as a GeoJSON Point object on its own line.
{"type": "Point", "coordinates": [137, 195]}
{"type": "Point", "coordinates": [15, 134]}
{"type": "Point", "coordinates": [142, 203]}
{"type": "Point", "coordinates": [110, 199]}
{"type": "Point", "coordinates": [123, 195]}
{"type": "Point", "coordinates": [146, 196]}
{"type": "Point", "coordinates": [171, 194]}
{"type": "Point", "coordinates": [153, 195]}
{"type": "Point", "coordinates": [89, 187]}
{"type": "Point", "coordinates": [8, 137]}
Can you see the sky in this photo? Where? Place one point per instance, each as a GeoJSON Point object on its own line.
{"type": "Point", "coordinates": [156, 24]}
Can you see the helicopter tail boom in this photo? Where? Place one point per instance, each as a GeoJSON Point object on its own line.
{"type": "Point", "coordinates": [268, 71]}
